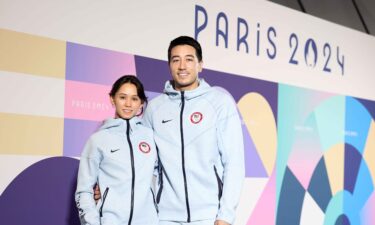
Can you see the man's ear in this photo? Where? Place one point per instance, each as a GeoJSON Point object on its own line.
{"type": "Point", "coordinates": [200, 66]}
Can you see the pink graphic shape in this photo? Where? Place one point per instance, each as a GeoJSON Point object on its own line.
{"type": "Point", "coordinates": [303, 159]}
{"type": "Point", "coordinates": [265, 211]}
{"type": "Point", "coordinates": [367, 214]}
{"type": "Point", "coordinates": [86, 101]}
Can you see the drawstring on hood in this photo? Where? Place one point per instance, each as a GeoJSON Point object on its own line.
{"type": "Point", "coordinates": [176, 95]}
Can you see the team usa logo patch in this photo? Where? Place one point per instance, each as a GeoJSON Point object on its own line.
{"type": "Point", "coordinates": [196, 117]}
{"type": "Point", "coordinates": [144, 147]}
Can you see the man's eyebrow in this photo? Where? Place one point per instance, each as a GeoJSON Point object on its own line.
{"type": "Point", "coordinates": [185, 56]}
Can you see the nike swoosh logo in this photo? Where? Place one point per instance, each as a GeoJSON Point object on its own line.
{"type": "Point", "coordinates": [165, 121]}
{"type": "Point", "coordinates": [114, 150]}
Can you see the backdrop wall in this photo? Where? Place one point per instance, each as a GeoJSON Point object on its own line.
{"type": "Point", "coordinates": [304, 88]}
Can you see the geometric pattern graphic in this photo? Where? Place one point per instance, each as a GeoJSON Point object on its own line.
{"type": "Point", "coordinates": [311, 154]}
{"type": "Point", "coordinates": [96, 65]}
{"type": "Point", "coordinates": [336, 179]}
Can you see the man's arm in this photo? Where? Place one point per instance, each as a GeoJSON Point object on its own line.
{"type": "Point", "coordinates": [147, 117]}
{"type": "Point", "coordinates": [231, 147]}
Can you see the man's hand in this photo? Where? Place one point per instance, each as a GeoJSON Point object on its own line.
{"type": "Point", "coordinates": [97, 195]}
{"type": "Point", "coordinates": [221, 222]}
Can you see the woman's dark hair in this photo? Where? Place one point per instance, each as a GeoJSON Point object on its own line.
{"type": "Point", "coordinates": [129, 79]}
{"type": "Point", "coordinates": [186, 40]}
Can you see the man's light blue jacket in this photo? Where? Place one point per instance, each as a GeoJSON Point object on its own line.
{"type": "Point", "coordinates": [201, 153]}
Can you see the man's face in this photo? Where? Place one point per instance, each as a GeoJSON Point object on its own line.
{"type": "Point", "coordinates": [184, 67]}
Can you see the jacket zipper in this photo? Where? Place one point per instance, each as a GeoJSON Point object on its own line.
{"type": "Point", "coordinates": [153, 198]}
{"type": "Point", "coordinates": [104, 198]}
{"type": "Point", "coordinates": [183, 156]}
{"type": "Point", "coordinates": [133, 171]}
{"type": "Point", "coordinates": [160, 174]}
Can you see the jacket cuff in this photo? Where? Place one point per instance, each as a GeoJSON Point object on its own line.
{"type": "Point", "coordinates": [227, 217]}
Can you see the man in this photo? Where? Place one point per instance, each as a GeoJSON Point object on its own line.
{"type": "Point", "coordinates": [198, 134]}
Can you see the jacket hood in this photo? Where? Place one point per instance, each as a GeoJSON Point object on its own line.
{"type": "Point", "coordinates": [202, 88]}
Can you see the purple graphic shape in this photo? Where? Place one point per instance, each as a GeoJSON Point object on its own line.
{"type": "Point", "coordinates": [369, 105]}
{"type": "Point", "coordinates": [152, 72]}
{"type": "Point", "coordinates": [96, 65]}
{"type": "Point", "coordinates": [151, 95]}
{"type": "Point", "coordinates": [351, 167]}
{"type": "Point", "coordinates": [42, 194]}
{"type": "Point", "coordinates": [76, 134]}
{"type": "Point", "coordinates": [253, 164]}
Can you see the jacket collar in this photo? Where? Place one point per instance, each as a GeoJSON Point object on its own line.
{"type": "Point", "coordinates": [120, 124]}
{"type": "Point", "coordinates": [202, 88]}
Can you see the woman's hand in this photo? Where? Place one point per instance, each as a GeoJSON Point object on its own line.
{"type": "Point", "coordinates": [97, 194]}
{"type": "Point", "coordinates": [221, 222]}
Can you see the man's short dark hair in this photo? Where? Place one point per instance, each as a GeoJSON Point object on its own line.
{"type": "Point", "coordinates": [186, 40]}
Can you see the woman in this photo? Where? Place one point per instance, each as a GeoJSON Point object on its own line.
{"type": "Point", "coordinates": [120, 157]}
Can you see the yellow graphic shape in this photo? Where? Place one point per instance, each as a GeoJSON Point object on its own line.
{"type": "Point", "coordinates": [31, 135]}
{"type": "Point", "coordinates": [20, 52]}
{"type": "Point", "coordinates": [260, 122]}
{"type": "Point", "coordinates": [369, 152]}
{"type": "Point", "coordinates": [335, 160]}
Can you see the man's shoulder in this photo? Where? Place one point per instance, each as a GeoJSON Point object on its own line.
{"type": "Point", "coordinates": [220, 90]}
{"type": "Point", "coordinates": [156, 100]}
{"type": "Point", "coordinates": [156, 103]}
{"type": "Point", "coordinates": [219, 95]}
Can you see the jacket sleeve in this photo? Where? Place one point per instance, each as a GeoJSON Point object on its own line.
{"type": "Point", "coordinates": [87, 178]}
{"type": "Point", "coordinates": [147, 120]}
{"type": "Point", "coordinates": [147, 117]}
{"type": "Point", "coordinates": [231, 148]}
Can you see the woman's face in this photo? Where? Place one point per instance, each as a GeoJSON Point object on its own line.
{"type": "Point", "coordinates": [127, 101]}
